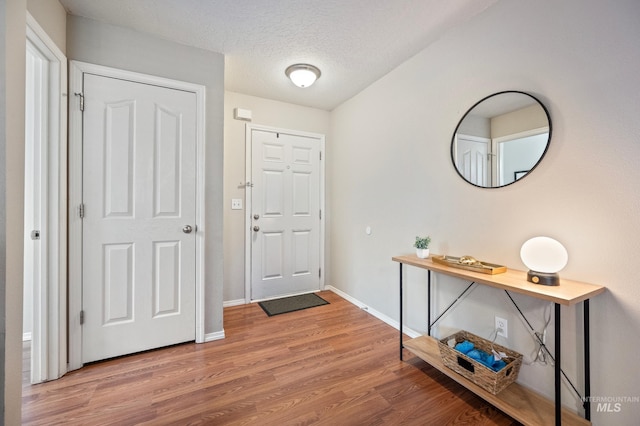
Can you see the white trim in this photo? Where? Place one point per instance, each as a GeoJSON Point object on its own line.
{"type": "Point", "coordinates": [248, 193]}
{"type": "Point", "coordinates": [384, 318]}
{"type": "Point", "coordinates": [520, 135]}
{"type": "Point", "coordinates": [26, 337]}
{"type": "Point", "coordinates": [50, 353]}
{"type": "Point", "coordinates": [75, 224]}
{"type": "Point", "coordinates": [236, 302]}
{"type": "Point", "coordinates": [496, 161]}
{"type": "Point", "coordinates": [210, 337]}
{"type": "Point", "coordinates": [77, 69]}
{"type": "Point", "coordinates": [249, 127]}
{"type": "Point", "coordinates": [472, 138]}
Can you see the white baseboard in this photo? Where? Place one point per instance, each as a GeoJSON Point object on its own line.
{"type": "Point", "coordinates": [210, 337]}
{"type": "Point", "coordinates": [236, 302]}
{"type": "Point", "coordinates": [393, 323]}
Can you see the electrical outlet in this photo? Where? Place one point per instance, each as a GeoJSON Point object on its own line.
{"type": "Point", "coordinates": [502, 327]}
{"type": "Point", "coordinates": [236, 204]}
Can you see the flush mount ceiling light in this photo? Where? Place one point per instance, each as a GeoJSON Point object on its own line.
{"type": "Point", "coordinates": [302, 75]}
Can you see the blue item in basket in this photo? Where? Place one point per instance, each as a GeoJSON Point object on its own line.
{"type": "Point", "coordinates": [464, 347]}
{"type": "Point", "coordinates": [475, 354]}
{"type": "Point", "coordinates": [498, 365]}
{"type": "Point", "coordinates": [488, 359]}
{"type": "Point", "coordinates": [467, 348]}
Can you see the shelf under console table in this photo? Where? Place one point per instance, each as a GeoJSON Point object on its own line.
{"type": "Point", "coordinates": [524, 405]}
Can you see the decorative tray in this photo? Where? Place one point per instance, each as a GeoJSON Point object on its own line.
{"type": "Point", "coordinates": [470, 264]}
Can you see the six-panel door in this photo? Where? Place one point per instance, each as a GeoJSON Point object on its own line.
{"type": "Point", "coordinates": [139, 186]}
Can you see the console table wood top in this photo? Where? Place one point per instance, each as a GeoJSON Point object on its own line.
{"type": "Point", "coordinates": [567, 293]}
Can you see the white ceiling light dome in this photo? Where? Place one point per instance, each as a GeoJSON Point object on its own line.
{"type": "Point", "coordinates": [303, 75]}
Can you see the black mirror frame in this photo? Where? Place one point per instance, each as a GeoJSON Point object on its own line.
{"type": "Point", "coordinates": [455, 132]}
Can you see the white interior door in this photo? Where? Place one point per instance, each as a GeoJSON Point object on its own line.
{"type": "Point", "coordinates": [285, 214]}
{"type": "Point", "coordinates": [139, 197]}
{"type": "Point", "coordinates": [473, 160]}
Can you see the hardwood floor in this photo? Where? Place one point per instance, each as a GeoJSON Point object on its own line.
{"type": "Point", "coordinates": [330, 365]}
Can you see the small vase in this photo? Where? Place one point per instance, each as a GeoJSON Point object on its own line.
{"type": "Point", "coordinates": [422, 253]}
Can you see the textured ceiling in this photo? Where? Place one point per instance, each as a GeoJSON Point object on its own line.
{"type": "Point", "coordinates": [353, 42]}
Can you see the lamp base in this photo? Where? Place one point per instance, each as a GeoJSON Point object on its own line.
{"type": "Point", "coordinates": [543, 278]}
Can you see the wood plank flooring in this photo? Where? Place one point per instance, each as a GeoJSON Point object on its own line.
{"type": "Point", "coordinates": [329, 365]}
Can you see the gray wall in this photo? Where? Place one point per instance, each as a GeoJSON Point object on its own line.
{"type": "Point", "coordinates": [389, 168]}
{"type": "Point", "coordinates": [52, 18]}
{"type": "Point", "coordinates": [13, 23]}
{"type": "Point", "coordinates": [3, 200]}
{"type": "Point", "coordinates": [102, 44]}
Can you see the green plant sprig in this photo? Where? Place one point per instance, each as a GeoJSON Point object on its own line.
{"type": "Point", "coordinates": [422, 243]}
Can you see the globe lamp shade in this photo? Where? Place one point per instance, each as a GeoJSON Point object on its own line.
{"type": "Point", "coordinates": [544, 257]}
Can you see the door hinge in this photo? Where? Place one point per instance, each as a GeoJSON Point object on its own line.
{"type": "Point", "coordinates": [320, 214]}
{"type": "Point", "coordinates": [81, 96]}
{"type": "Point", "coordinates": [81, 211]}
{"type": "Point", "coordinates": [81, 317]}
{"type": "Point", "coordinates": [320, 155]}
{"type": "Point", "coordinates": [320, 273]}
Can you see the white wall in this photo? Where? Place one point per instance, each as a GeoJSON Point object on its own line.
{"type": "Point", "coordinates": [267, 113]}
{"type": "Point", "coordinates": [390, 168]}
{"type": "Point", "coordinates": [99, 43]}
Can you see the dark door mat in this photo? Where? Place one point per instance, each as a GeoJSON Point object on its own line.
{"type": "Point", "coordinates": [292, 303]}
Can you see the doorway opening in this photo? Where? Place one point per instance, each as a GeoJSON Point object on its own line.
{"type": "Point", "coordinates": [45, 241]}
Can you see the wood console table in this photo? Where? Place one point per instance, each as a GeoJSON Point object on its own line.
{"type": "Point", "coordinates": [524, 405]}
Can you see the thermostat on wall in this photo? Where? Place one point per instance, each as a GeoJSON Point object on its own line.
{"type": "Point", "coordinates": [242, 114]}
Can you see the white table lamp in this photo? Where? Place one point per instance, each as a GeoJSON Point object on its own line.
{"type": "Point", "coordinates": [544, 257]}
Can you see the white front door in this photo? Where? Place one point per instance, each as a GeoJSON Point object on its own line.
{"type": "Point", "coordinates": [472, 159]}
{"type": "Point", "coordinates": [139, 195]}
{"type": "Point", "coordinates": [285, 213]}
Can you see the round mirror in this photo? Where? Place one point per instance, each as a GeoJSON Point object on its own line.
{"type": "Point", "coordinates": [501, 139]}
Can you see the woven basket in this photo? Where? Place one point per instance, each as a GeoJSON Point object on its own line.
{"type": "Point", "coordinates": [483, 376]}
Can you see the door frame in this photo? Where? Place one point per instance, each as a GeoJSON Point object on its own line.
{"type": "Point", "coordinates": [49, 334]}
{"type": "Point", "coordinates": [76, 71]}
{"type": "Point", "coordinates": [249, 193]}
{"type": "Point", "coordinates": [495, 148]}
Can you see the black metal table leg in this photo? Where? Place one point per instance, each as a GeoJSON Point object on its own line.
{"type": "Point", "coordinates": [401, 346]}
{"type": "Point", "coordinates": [429, 303]}
{"type": "Point", "coordinates": [587, 361]}
{"type": "Point", "coordinates": [557, 366]}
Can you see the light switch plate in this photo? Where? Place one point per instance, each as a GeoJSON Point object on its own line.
{"type": "Point", "coordinates": [236, 204]}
